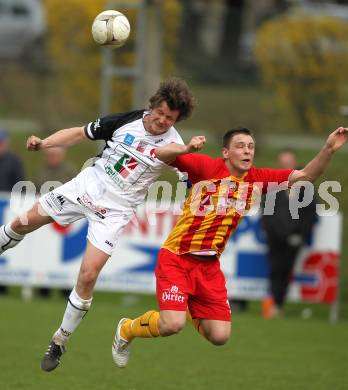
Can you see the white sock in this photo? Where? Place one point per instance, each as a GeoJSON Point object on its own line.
{"type": "Point", "coordinates": [8, 238]}
{"type": "Point", "coordinates": [75, 310]}
{"type": "Point", "coordinates": [13, 234]}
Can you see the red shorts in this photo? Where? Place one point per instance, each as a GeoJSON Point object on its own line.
{"type": "Point", "coordinates": [183, 282]}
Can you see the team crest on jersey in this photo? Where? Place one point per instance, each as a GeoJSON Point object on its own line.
{"type": "Point", "coordinates": [129, 139]}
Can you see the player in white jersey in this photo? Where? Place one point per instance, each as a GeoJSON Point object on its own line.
{"type": "Point", "coordinates": [106, 193]}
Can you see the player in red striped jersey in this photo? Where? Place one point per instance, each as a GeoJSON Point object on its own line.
{"type": "Point", "coordinates": [188, 275]}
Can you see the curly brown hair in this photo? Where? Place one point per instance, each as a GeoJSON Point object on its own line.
{"type": "Point", "coordinates": [176, 93]}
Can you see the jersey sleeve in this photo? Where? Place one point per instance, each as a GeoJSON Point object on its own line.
{"type": "Point", "coordinates": [103, 128]}
{"type": "Point", "coordinates": [268, 176]}
{"type": "Point", "coordinates": [197, 166]}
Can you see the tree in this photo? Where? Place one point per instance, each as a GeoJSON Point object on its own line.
{"type": "Point", "coordinates": [305, 60]}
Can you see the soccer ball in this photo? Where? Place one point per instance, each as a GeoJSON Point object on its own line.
{"type": "Point", "coordinates": [110, 29]}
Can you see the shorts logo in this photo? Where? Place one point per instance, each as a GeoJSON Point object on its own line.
{"type": "Point", "coordinates": [173, 294]}
{"type": "Point", "coordinates": [86, 201]}
{"type": "Point", "coordinates": [129, 139]}
{"type": "Point", "coordinates": [55, 202]}
{"type": "Point", "coordinates": [60, 199]}
{"type": "Point", "coordinates": [109, 243]}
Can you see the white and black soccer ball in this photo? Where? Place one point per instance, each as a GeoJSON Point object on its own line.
{"type": "Point", "coordinates": [110, 29]}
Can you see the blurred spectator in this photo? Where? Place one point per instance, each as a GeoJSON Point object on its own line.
{"type": "Point", "coordinates": [11, 167]}
{"type": "Point", "coordinates": [285, 237]}
{"type": "Point", "coordinates": [11, 171]}
{"type": "Point", "coordinates": [55, 169]}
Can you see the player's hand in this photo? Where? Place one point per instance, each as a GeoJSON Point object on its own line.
{"type": "Point", "coordinates": [34, 143]}
{"type": "Point", "coordinates": [196, 144]}
{"type": "Point", "coordinates": [337, 139]}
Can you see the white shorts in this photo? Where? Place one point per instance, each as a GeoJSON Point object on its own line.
{"type": "Point", "coordinates": [86, 196]}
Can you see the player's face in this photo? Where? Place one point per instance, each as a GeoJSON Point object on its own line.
{"type": "Point", "coordinates": [239, 155]}
{"type": "Point", "coordinates": [161, 119]}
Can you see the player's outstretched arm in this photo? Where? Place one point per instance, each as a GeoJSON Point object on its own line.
{"type": "Point", "coordinates": [168, 153]}
{"type": "Point", "coordinates": [65, 137]}
{"type": "Point", "coordinates": [319, 163]}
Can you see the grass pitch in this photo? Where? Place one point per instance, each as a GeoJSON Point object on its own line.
{"type": "Point", "coordinates": [290, 353]}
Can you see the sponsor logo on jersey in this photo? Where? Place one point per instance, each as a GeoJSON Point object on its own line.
{"type": "Point", "coordinates": [114, 176]}
{"type": "Point", "coordinates": [173, 294]}
{"type": "Point", "coordinates": [142, 146]}
{"type": "Point", "coordinates": [159, 140]}
{"type": "Point", "coordinates": [152, 156]}
{"type": "Point", "coordinates": [128, 168]}
{"type": "Point", "coordinates": [125, 165]}
{"type": "Point", "coordinates": [129, 139]}
{"type": "Point", "coordinates": [86, 201]}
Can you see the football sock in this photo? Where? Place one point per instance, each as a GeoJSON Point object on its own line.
{"type": "Point", "coordinates": [268, 308]}
{"type": "Point", "coordinates": [75, 310]}
{"type": "Point", "coordinates": [8, 238]}
{"type": "Point", "coordinates": [12, 233]}
{"type": "Point", "coordinates": [144, 326]}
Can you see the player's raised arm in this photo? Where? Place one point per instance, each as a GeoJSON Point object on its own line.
{"type": "Point", "coordinates": [168, 153]}
{"type": "Point", "coordinates": [65, 137]}
{"type": "Point", "coordinates": [319, 163]}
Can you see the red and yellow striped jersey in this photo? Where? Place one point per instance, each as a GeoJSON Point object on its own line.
{"type": "Point", "coordinates": [216, 203]}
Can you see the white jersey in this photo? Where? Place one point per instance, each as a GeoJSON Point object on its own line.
{"type": "Point", "coordinates": [108, 192]}
{"type": "Point", "coordinates": [127, 166]}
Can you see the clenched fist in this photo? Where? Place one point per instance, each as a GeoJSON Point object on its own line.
{"type": "Point", "coordinates": [337, 138]}
{"type": "Point", "coordinates": [196, 144]}
{"type": "Point", "coordinates": [34, 143]}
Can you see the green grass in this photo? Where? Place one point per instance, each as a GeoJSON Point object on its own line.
{"type": "Point", "coordinates": [290, 353]}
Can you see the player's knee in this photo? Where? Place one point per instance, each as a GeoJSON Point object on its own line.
{"type": "Point", "coordinates": [88, 276]}
{"type": "Point", "coordinates": [219, 337]}
{"type": "Point", "coordinates": [171, 327]}
{"type": "Point", "coordinates": [219, 341]}
{"type": "Point", "coordinates": [175, 327]}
